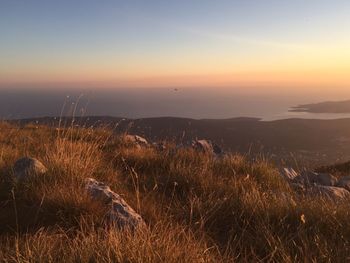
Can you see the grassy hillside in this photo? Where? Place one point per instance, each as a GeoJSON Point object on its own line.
{"type": "Point", "coordinates": [198, 208]}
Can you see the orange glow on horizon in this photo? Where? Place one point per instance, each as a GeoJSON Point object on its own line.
{"type": "Point", "coordinates": [264, 79]}
{"type": "Point", "coordinates": [312, 67]}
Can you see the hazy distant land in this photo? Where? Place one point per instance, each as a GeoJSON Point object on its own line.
{"type": "Point", "coordinates": [306, 141]}
{"type": "Point", "coordinates": [324, 107]}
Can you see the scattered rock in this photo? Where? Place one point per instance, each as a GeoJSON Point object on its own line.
{"type": "Point", "coordinates": [26, 167]}
{"type": "Point", "coordinates": [207, 147]}
{"type": "Point", "coordinates": [334, 193]}
{"type": "Point", "coordinates": [344, 182]}
{"type": "Point", "coordinates": [135, 139]}
{"type": "Point", "coordinates": [299, 188]}
{"type": "Point", "coordinates": [318, 184]}
{"type": "Point", "coordinates": [311, 178]}
{"type": "Point", "coordinates": [217, 150]}
{"type": "Point", "coordinates": [289, 173]}
{"type": "Point", "coordinates": [160, 146]}
{"type": "Point", "coordinates": [120, 214]}
{"type": "Point", "coordinates": [203, 146]}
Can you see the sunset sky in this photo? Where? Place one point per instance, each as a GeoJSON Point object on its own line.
{"type": "Point", "coordinates": [149, 43]}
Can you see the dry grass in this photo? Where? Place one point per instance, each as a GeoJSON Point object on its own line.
{"type": "Point", "coordinates": [199, 209]}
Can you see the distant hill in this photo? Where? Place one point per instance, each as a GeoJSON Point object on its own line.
{"type": "Point", "coordinates": [324, 107]}
{"type": "Point", "coordinates": [307, 142]}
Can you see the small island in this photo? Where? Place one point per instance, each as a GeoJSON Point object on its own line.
{"type": "Point", "coordinates": [324, 107]}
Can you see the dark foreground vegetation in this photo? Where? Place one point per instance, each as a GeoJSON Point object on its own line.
{"type": "Point", "coordinates": [198, 208]}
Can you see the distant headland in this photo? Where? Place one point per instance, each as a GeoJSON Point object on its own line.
{"type": "Point", "coordinates": [324, 107]}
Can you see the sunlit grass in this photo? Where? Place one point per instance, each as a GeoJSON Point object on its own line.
{"type": "Point", "coordinates": [198, 208]}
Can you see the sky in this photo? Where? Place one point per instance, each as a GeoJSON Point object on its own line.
{"type": "Point", "coordinates": [163, 43]}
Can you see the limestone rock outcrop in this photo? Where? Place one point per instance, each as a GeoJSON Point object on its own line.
{"type": "Point", "coordinates": [120, 213]}
{"type": "Point", "coordinates": [26, 167]}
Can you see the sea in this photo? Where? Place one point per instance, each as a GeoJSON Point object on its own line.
{"type": "Point", "coordinates": [197, 103]}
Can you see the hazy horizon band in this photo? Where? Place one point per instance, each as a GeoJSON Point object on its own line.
{"type": "Point", "coordinates": [195, 103]}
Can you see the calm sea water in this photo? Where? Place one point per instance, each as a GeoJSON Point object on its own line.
{"type": "Point", "coordinates": [137, 103]}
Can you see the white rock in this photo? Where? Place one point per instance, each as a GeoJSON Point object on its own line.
{"type": "Point", "coordinates": [344, 182]}
{"type": "Point", "coordinates": [289, 173]}
{"type": "Point", "coordinates": [334, 193]}
{"type": "Point", "coordinates": [26, 167]}
{"type": "Point", "coordinates": [120, 213]}
{"type": "Point", "coordinates": [310, 178]}
{"type": "Point", "coordinates": [207, 147]}
{"type": "Point", "coordinates": [160, 146]}
{"type": "Point", "coordinates": [136, 140]}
